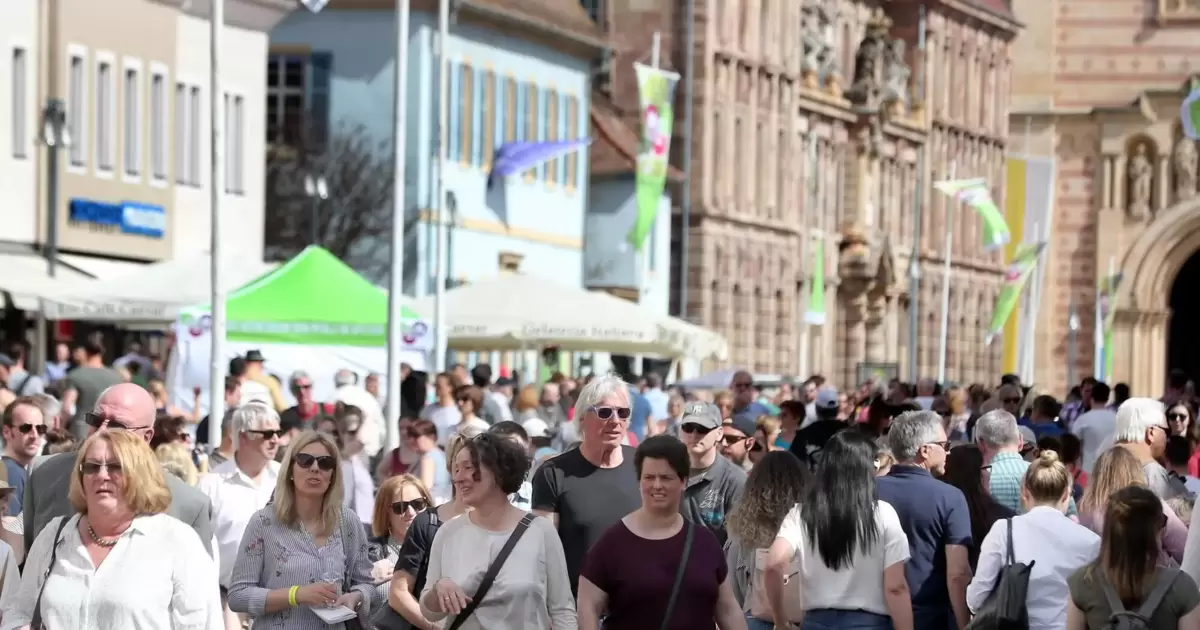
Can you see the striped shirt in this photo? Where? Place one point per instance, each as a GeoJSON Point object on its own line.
{"type": "Point", "coordinates": [274, 555]}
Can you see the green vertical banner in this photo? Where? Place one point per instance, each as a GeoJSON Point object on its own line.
{"type": "Point", "coordinates": [1106, 293]}
{"type": "Point", "coordinates": [815, 313]}
{"type": "Point", "coordinates": [656, 91]}
{"type": "Point", "coordinates": [974, 193]}
{"type": "Point", "coordinates": [1023, 263]}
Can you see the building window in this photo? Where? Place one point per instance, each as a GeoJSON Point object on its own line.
{"type": "Point", "coordinates": [491, 118]}
{"type": "Point", "coordinates": [182, 137]}
{"type": "Point", "coordinates": [194, 143]}
{"type": "Point", "coordinates": [466, 113]}
{"type": "Point", "coordinates": [531, 124]}
{"type": "Point", "coordinates": [510, 110]}
{"type": "Point", "coordinates": [20, 121]}
{"type": "Point", "coordinates": [572, 159]}
{"type": "Point", "coordinates": [77, 109]}
{"type": "Point", "coordinates": [453, 110]}
{"type": "Point", "coordinates": [235, 140]}
{"type": "Point", "coordinates": [550, 132]}
{"type": "Point", "coordinates": [480, 117]}
{"type": "Point", "coordinates": [106, 101]}
{"type": "Point", "coordinates": [158, 126]}
{"type": "Point", "coordinates": [298, 89]}
{"type": "Point", "coordinates": [132, 122]}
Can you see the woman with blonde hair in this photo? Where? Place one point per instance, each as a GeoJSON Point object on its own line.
{"type": "Point", "coordinates": [1113, 471]}
{"type": "Point", "coordinates": [399, 501]}
{"type": "Point", "coordinates": [156, 572]}
{"type": "Point", "coordinates": [176, 458]}
{"type": "Point", "coordinates": [957, 414]}
{"type": "Point", "coordinates": [305, 551]}
{"type": "Point", "coordinates": [1043, 534]}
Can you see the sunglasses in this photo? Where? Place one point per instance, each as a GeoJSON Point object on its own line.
{"type": "Point", "coordinates": [756, 448]}
{"type": "Point", "coordinates": [606, 413]}
{"type": "Point", "coordinates": [1011, 401]}
{"type": "Point", "coordinates": [417, 505]}
{"type": "Point", "coordinates": [94, 468]}
{"type": "Point", "coordinates": [304, 386]}
{"type": "Point", "coordinates": [1178, 417]}
{"type": "Point", "coordinates": [268, 434]}
{"type": "Point", "coordinates": [96, 420]}
{"type": "Point", "coordinates": [730, 440]}
{"type": "Point", "coordinates": [39, 429]}
{"type": "Point", "coordinates": [692, 427]}
{"type": "Point", "coordinates": [324, 462]}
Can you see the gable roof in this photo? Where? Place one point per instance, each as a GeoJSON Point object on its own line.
{"type": "Point", "coordinates": [564, 17]}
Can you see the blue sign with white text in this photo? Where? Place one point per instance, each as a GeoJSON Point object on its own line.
{"type": "Point", "coordinates": [128, 216]}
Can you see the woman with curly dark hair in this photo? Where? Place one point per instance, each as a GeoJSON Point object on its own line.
{"type": "Point", "coordinates": [532, 590]}
{"type": "Point", "coordinates": [775, 485]}
{"type": "Point", "coordinates": [965, 471]}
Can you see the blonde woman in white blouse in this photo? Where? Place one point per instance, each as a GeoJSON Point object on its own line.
{"type": "Point", "coordinates": [120, 562]}
{"type": "Point", "coordinates": [531, 590]}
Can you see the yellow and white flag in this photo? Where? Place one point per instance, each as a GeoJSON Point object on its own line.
{"type": "Point", "coordinates": [1028, 210]}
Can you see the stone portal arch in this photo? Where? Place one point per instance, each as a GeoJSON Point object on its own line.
{"type": "Point", "coordinates": [1150, 266]}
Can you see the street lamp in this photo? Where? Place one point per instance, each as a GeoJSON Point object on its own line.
{"type": "Point", "coordinates": [316, 189]}
{"type": "Point", "coordinates": [55, 135]}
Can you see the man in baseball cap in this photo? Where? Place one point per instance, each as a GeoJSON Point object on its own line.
{"type": "Point", "coordinates": [715, 482]}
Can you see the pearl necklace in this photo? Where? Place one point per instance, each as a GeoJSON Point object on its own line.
{"type": "Point", "coordinates": [107, 544]}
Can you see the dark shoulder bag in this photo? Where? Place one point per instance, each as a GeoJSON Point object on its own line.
{"type": "Point", "coordinates": [386, 618]}
{"type": "Point", "coordinates": [1005, 608]}
{"type": "Point", "coordinates": [492, 571]}
{"type": "Point", "coordinates": [675, 588]}
{"type": "Point", "coordinates": [37, 624]}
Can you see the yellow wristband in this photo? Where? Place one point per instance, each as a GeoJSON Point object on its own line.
{"type": "Point", "coordinates": [292, 595]}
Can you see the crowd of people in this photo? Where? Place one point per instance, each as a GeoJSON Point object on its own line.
{"type": "Point", "coordinates": [600, 502]}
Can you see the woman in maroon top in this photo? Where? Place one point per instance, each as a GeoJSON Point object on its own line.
{"type": "Point", "coordinates": [631, 571]}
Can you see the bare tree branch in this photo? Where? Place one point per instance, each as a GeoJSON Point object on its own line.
{"type": "Point", "coordinates": [354, 223]}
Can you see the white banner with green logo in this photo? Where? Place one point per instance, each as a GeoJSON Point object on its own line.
{"type": "Point", "coordinates": [656, 91]}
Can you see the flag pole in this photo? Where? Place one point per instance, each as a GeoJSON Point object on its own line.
{"type": "Point", "coordinates": [1029, 314]}
{"type": "Point", "coordinates": [216, 373]}
{"type": "Point", "coordinates": [804, 364]}
{"type": "Point", "coordinates": [945, 331]}
{"type": "Point", "coordinates": [914, 260]}
{"type": "Point", "coordinates": [440, 269]}
{"type": "Point", "coordinates": [395, 338]}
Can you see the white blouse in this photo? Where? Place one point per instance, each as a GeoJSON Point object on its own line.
{"type": "Point", "coordinates": [157, 577]}
{"type": "Point", "coordinates": [532, 590]}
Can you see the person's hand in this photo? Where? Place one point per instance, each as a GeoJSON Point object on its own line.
{"type": "Point", "coordinates": [350, 600]}
{"type": "Point", "coordinates": [451, 598]}
{"type": "Point", "coordinates": [318, 594]}
{"type": "Point", "coordinates": [382, 571]}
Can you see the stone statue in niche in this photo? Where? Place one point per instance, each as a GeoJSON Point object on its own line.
{"type": "Point", "coordinates": [896, 74]}
{"type": "Point", "coordinates": [817, 22]}
{"type": "Point", "coordinates": [869, 62]}
{"type": "Point", "coordinates": [1141, 182]}
{"type": "Point", "coordinates": [1184, 163]}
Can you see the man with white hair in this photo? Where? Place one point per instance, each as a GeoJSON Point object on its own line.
{"type": "Point", "coordinates": [241, 486]}
{"type": "Point", "coordinates": [935, 518]}
{"type": "Point", "coordinates": [588, 489]}
{"type": "Point", "coordinates": [1000, 441]}
{"type": "Point", "coordinates": [349, 392]}
{"type": "Point", "coordinates": [1142, 430]}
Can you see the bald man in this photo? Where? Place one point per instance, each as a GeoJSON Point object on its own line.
{"type": "Point", "coordinates": [125, 407]}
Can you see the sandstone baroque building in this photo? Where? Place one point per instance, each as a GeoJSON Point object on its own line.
{"type": "Point", "coordinates": [809, 119]}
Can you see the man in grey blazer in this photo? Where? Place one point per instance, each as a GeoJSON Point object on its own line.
{"type": "Point", "coordinates": [122, 407]}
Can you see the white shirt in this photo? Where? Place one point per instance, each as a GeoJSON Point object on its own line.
{"type": "Point", "coordinates": [858, 586]}
{"type": "Point", "coordinates": [12, 576]}
{"type": "Point", "coordinates": [157, 577]}
{"type": "Point", "coordinates": [253, 391]}
{"type": "Point", "coordinates": [505, 405]}
{"type": "Point", "coordinates": [358, 488]}
{"type": "Point", "coordinates": [235, 498]}
{"type": "Point", "coordinates": [1060, 547]}
{"type": "Point", "coordinates": [372, 421]}
{"type": "Point", "coordinates": [1096, 429]}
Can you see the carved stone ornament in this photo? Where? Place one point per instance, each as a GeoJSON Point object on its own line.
{"type": "Point", "coordinates": [818, 18]}
{"type": "Point", "coordinates": [1141, 182]}
{"type": "Point", "coordinates": [869, 62]}
{"type": "Point", "coordinates": [896, 74]}
{"type": "Point", "coordinates": [855, 260]}
{"type": "Point", "coordinates": [1184, 161]}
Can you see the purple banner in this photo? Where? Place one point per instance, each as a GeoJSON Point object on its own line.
{"type": "Point", "coordinates": [517, 157]}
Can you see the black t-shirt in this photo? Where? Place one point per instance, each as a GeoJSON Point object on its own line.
{"type": "Point", "coordinates": [588, 500]}
{"type": "Point", "coordinates": [811, 439]}
{"type": "Point", "coordinates": [414, 553]}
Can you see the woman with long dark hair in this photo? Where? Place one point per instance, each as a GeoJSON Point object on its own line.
{"type": "Point", "coordinates": [1127, 574]}
{"type": "Point", "coordinates": [850, 545]}
{"type": "Point", "coordinates": [776, 484]}
{"type": "Point", "coordinates": [965, 471]}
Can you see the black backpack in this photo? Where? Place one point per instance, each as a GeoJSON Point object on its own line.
{"type": "Point", "coordinates": [1122, 619]}
{"type": "Point", "coordinates": [1005, 607]}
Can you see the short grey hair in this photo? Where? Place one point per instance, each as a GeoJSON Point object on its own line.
{"type": "Point", "coordinates": [296, 376]}
{"type": "Point", "coordinates": [910, 431]}
{"type": "Point", "coordinates": [997, 428]}
{"type": "Point", "coordinates": [1136, 416]}
{"type": "Point", "coordinates": [345, 377]}
{"type": "Point", "coordinates": [49, 405]}
{"type": "Point", "coordinates": [251, 417]}
{"type": "Point", "coordinates": [597, 390]}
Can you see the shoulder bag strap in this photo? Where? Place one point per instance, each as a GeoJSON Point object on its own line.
{"type": "Point", "coordinates": [1012, 556]}
{"type": "Point", "coordinates": [687, 552]}
{"type": "Point", "coordinates": [1166, 578]}
{"type": "Point", "coordinates": [492, 571]}
{"type": "Point", "coordinates": [36, 623]}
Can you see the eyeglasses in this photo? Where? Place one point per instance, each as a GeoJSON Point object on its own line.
{"type": "Point", "coordinates": [730, 440]}
{"type": "Point", "coordinates": [692, 427]}
{"type": "Point", "coordinates": [40, 429]}
{"type": "Point", "coordinates": [606, 413]}
{"type": "Point", "coordinates": [417, 505]}
{"type": "Point", "coordinates": [944, 444]}
{"type": "Point", "coordinates": [96, 420]}
{"type": "Point", "coordinates": [324, 462]}
{"type": "Point", "coordinates": [93, 468]}
{"type": "Point", "coordinates": [268, 433]}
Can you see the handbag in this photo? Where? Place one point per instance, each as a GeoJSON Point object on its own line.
{"type": "Point", "coordinates": [1004, 608]}
{"type": "Point", "coordinates": [687, 552]}
{"type": "Point", "coordinates": [492, 571]}
{"type": "Point", "coordinates": [36, 623]}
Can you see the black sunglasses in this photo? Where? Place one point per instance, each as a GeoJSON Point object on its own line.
{"type": "Point", "coordinates": [1171, 416]}
{"type": "Point", "coordinates": [40, 429]}
{"type": "Point", "coordinates": [268, 433]}
{"type": "Point", "coordinates": [606, 413]}
{"type": "Point", "coordinates": [417, 505]}
{"type": "Point", "coordinates": [93, 468]}
{"type": "Point", "coordinates": [96, 420]}
{"type": "Point", "coordinates": [731, 439]}
{"type": "Point", "coordinates": [756, 448]}
{"type": "Point", "coordinates": [692, 427]}
{"type": "Point", "coordinates": [324, 462]}
{"type": "Point", "coordinates": [1011, 401]}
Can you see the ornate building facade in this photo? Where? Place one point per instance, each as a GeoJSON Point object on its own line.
{"type": "Point", "coordinates": [810, 117]}
{"type": "Point", "coordinates": [1126, 198]}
